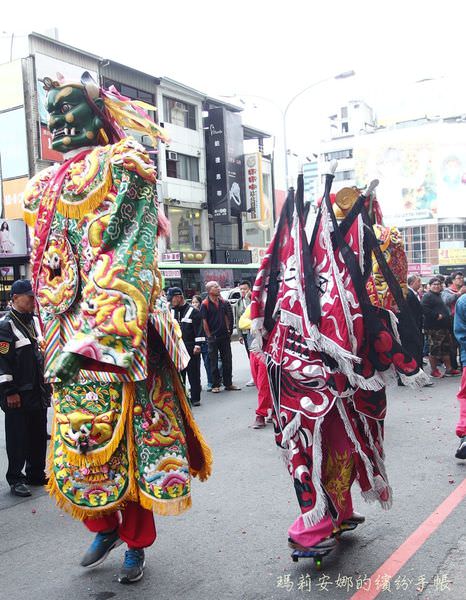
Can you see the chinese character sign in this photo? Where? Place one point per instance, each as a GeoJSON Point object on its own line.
{"type": "Point", "coordinates": [216, 159]}
{"type": "Point", "coordinates": [253, 177]}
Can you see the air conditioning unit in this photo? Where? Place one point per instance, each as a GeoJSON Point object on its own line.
{"type": "Point", "coordinates": [180, 105]}
{"type": "Point", "coordinates": [172, 155]}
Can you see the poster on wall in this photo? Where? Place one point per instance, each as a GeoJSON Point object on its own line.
{"type": "Point", "coordinates": [47, 66]}
{"type": "Point", "coordinates": [13, 238]}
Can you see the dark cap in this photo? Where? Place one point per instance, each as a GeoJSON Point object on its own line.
{"type": "Point", "coordinates": [21, 286]}
{"type": "Point", "coordinates": [174, 291]}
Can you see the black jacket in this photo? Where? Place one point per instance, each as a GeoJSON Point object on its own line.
{"type": "Point", "coordinates": [21, 362]}
{"type": "Point", "coordinates": [415, 305]}
{"type": "Point", "coordinates": [219, 317]}
{"type": "Point", "coordinates": [190, 322]}
{"type": "Point", "coordinates": [432, 306]}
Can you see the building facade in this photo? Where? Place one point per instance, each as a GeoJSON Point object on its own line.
{"type": "Point", "coordinates": [421, 168]}
{"type": "Point", "coordinates": [197, 236]}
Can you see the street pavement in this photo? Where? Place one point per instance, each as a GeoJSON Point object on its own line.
{"type": "Point", "coordinates": [233, 542]}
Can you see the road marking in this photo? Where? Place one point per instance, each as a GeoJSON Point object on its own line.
{"type": "Point", "coordinates": [412, 544]}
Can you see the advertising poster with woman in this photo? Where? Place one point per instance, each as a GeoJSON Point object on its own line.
{"type": "Point", "coordinates": [13, 238]}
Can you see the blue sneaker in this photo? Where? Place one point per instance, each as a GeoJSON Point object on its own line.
{"type": "Point", "coordinates": [100, 548]}
{"type": "Point", "coordinates": [133, 566]}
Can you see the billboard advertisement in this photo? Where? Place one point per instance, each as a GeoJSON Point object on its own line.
{"type": "Point", "coordinates": [235, 164]}
{"type": "Point", "coordinates": [46, 66]}
{"type": "Point", "coordinates": [224, 159]}
{"type": "Point", "coordinates": [13, 238]}
{"type": "Point", "coordinates": [13, 192]}
{"type": "Point", "coordinates": [13, 144]}
{"type": "Point", "coordinates": [11, 75]}
{"type": "Point", "coordinates": [422, 171]}
{"type": "Point", "coordinates": [217, 191]}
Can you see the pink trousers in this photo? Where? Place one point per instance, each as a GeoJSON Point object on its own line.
{"type": "Point", "coordinates": [135, 525]}
{"type": "Point", "coordinates": [338, 474]}
{"type": "Point", "coordinates": [461, 425]}
{"type": "Point", "coordinates": [259, 376]}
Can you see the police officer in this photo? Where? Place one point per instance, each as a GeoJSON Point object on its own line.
{"type": "Point", "coordinates": [192, 332]}
{"type": "Point", "coordinates": [23, 395]}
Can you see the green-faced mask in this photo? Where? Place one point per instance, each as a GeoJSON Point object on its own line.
{"type": "Point", "coordinates": [72, 121]}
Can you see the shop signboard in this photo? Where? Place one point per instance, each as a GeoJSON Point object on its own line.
{"type": "Point", "coordinates": [450, 269]}
{"type": "Point", "coordinates": [224, 161]}
{"type": "Point", "coordinates": [253, 177]}
{"type": "Point", "coordinates": [171, 273]}
{"type": "Point", "coordinates": [420, 268]}
{"type": "Point", "coordinates": [217, 190]}
{"type": "Point", "coordinates": [171, 256]}
{"type": "Point", "coordinates": [234, 257]}
{"type": "Point", "coordinates": [452, 256]}
{"type": "Point", "coordinates": [257, 254]}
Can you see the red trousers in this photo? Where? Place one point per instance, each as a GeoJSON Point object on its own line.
{"type": "Point", "coordinates": [337, 454]}
{"type": "Point", "coordinates": [461, 426]}
{"type": "Point", "coordinates": [135, 525]}
{"type": "Point", "coordinates": [259, 375]}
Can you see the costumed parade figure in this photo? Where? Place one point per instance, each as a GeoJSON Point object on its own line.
{"type": "Point", "coordinates": [328, 344]}
{"type": "Point", "coordinates": [124, 442]}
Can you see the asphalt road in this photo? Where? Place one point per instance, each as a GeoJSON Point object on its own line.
{"type": "Point", "coordinates": [233, 542]}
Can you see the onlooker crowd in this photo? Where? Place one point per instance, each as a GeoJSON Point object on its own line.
{"type": "Point", "coordinates": [442, 313]}
{"type": "Point", "coordinates": [438, 328]}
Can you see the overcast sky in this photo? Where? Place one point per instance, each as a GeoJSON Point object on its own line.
{"type": "Point", "coordinates": [275, 49]}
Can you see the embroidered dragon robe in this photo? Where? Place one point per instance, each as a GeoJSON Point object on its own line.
{"type": "Point", "coordinates": [123, 429]}
{"type": "Point", "coordinates": [326, 348]}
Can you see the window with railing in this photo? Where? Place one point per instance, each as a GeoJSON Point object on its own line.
{"type": "Point", "coordinates": [418, 244]}
{"type": "Point", "coordinates": [452, 232]}
{"type": "Point", "coordinates": [179, 113]}
{"type": "Point", "coordinates": [338, 154]}
{"type": "Point", "coordinates": [182, 166]}
{"type": "Point", "coordinates": [130, 91]}
{"type": "Point", "coordinates": [405, 236]}
{"type": "Point", "coordinates": [185, 226]}
{"type": "Point", "coordinates": [341, 176]}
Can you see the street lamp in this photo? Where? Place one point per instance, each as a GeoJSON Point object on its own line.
{"type": "Point", "coordinates": [343, 75]}
{"type": "Point", "coordinates": [284, 112]}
